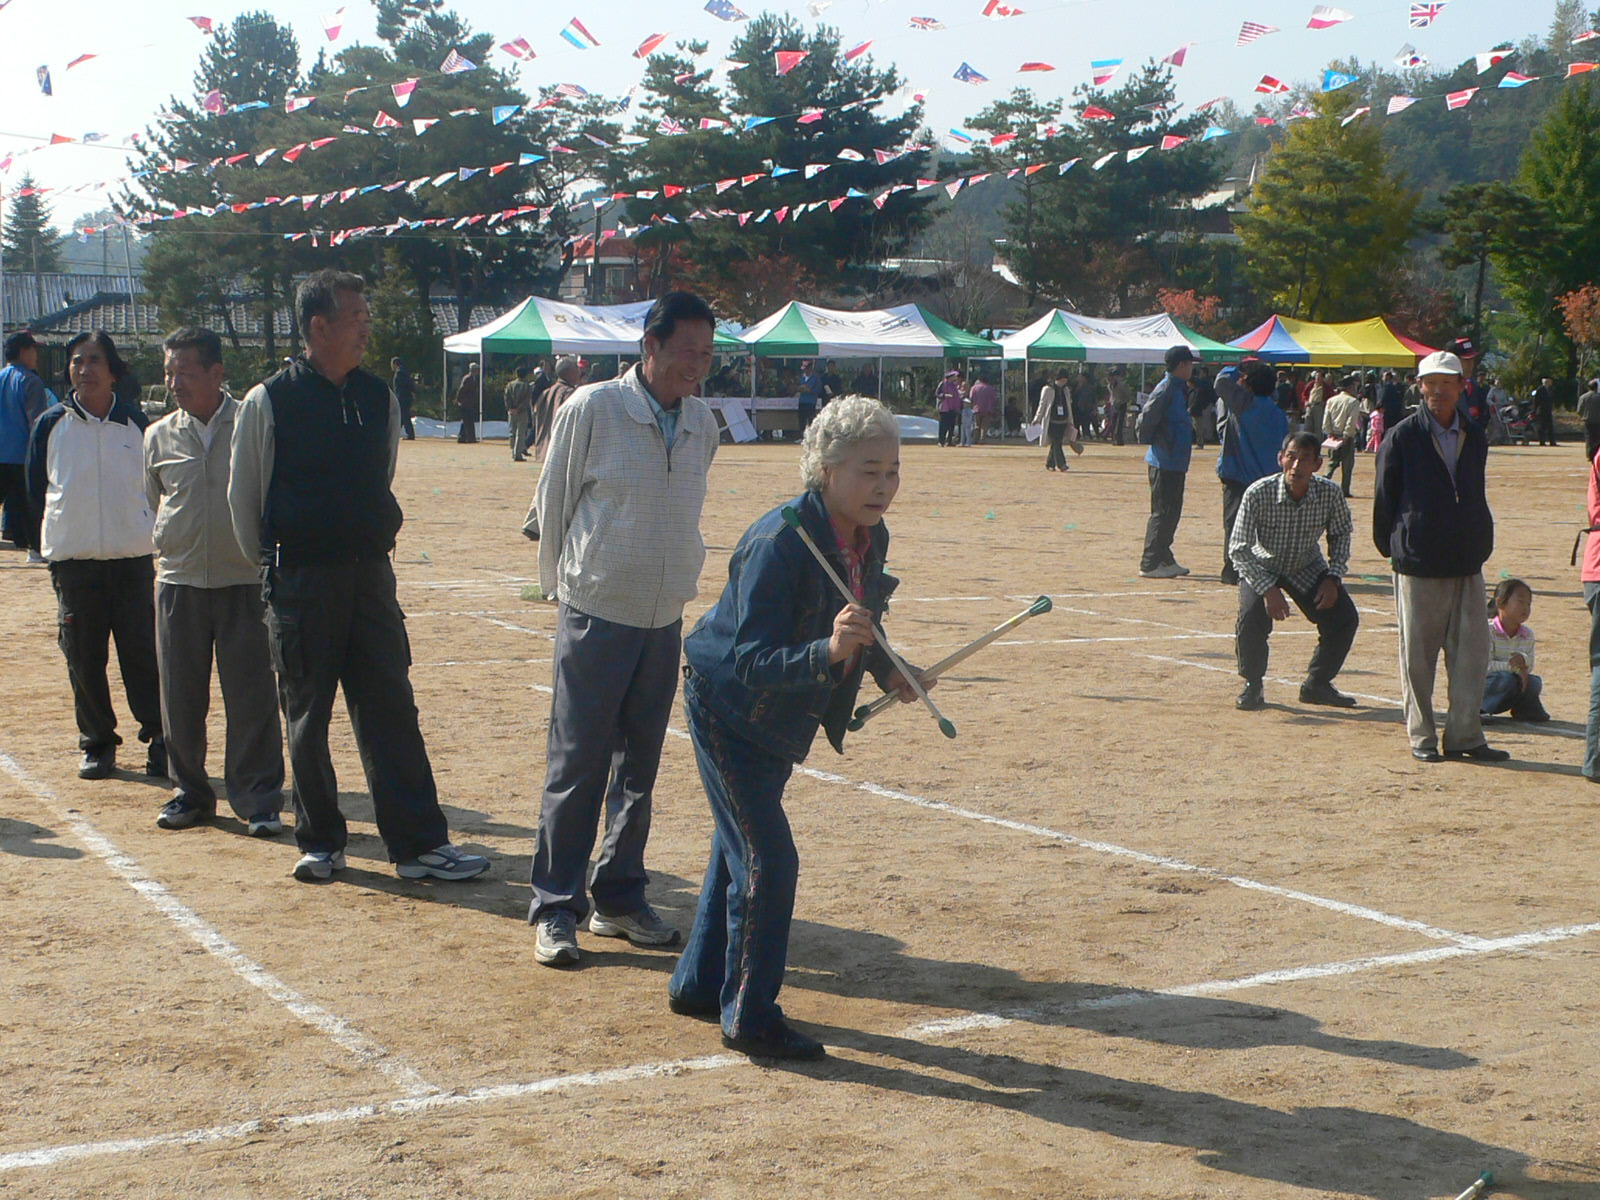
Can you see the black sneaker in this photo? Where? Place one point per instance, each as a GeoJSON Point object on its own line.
{"type": "Point", "coordinates": [686, 1007]}
{"type": "Point", "coordinates": [180, 813]}
{"type": "Point", "coordinates": [1427, 756]}
{"type": "Point", "coordinates": [1483, 753]}
{"type": "Point", "coordinates": [1251, 698]}
{"type": "Point", "coordinates": [1325, 693]}
{"type": "Point", "coordinates": [782, 1040]}
{"type": "Point", "coordinates": [155, 762]}
{"type": "Point", "coordinates": [98, 764]}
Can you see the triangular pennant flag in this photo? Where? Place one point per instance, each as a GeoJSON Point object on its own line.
{"type": "Point", "coordinates": [264, 155]}
{"type": "Point", "coordinates": [527, 160]}
{"type": "Point", "coordinates": [723, 185]}
{"type": "Point", "coordinates": [293, 152]}
{"type": "Point", "coordinates": [996, 11]}
{"type": "Point", "coordinates": [1270, 86]}
{"type": "Point", "coordinates": [575, 34]}
{"type": "Point", "coordinates": [1578, 68]}
{"type": "Point", "coordinates": [1515, 79]}
{"type": "Point", "coordinates": [788, 60]}
{"type": "Point", "coordinates": [203, 24]}
{"type": "Point", "coordinates": [1323, 17]}
{"type": "Point", "coordinates": [519, 48]}
{"type": "Point", "coordinates": [850, 154]}
{"type": "Point", "coordinates": [214, 103]}
{"type": "Point", "coordinates": [402, 91]}
{"type": "Point", "coordinates": [1360, 112]}
{"type": "Point", "coordinates": [466, 173]}
{"type": "Point", "coordinates": [1426, 13]}
{"type": "Point", "coordinates": [501, 113]}
{"type": "Point", "coordinates": [1253, 31]}
{"type": "Point", "coordinates": [1171, 140]}
{"type": "Point", "coordinates": [1332, 81]}
{"type": "Point", "coordinates": [1103, 160]}
{"type": "Point", "coordinates": [321, 142]}
{"type": "Point", "coordinates": [751, 122]}
{"type": "Point", "coordinates": [82, 58]}
{"type": "Point", "coordinates": [295, 103]}
{"type": "Point", "coordinates": [1095, 113]}
{"type": "Point", "coordinates": [56, 139]}
{"type": "Point", "coordinates": [1213, 133]}
{"type": "Point", "coordinates": [833, 205]}
{"type": "Point", "coordinates": [1035, 66]}
{"type": "Point", "coordinates": [856, 52]}
{"type": "Point", "coordinates": [724, 10]}
{"type": "Point", "coordinates": [1177, 57]}
{"type": "Point", "coordinates": [43, 76]}
{"type": "Point", "coordinates": [953, 187]}
{"type": "Point", "coordinates": [1400, 103]}
{"type": "Point", "coordinates": [455, 64]}
{"type": "Point", "coordinates": [1460, 99]}
{"type": "Point", "coordinates": [1408, 57]}
{"type": "Point", "coordinates": [747, 180]}
{"type": "Point", "coordinates": [422, 124]}
{"type": "Point", "coordinates": [965, 73]}
{"type": "Point", "coordinates": [333, 24]}
{"type": "Point", "coordinates": [647, 47]}
{"type": "Point", "coordinates": [1138, 152]}
{"type": "Point", "coordinates": [1105, 70]}
{"type": "Point", "coordinates": [1489, 58]}
{"type": "Point", "coordinates": [815, 169]}
{"type": "Point", "coordinates": [1586, 36]}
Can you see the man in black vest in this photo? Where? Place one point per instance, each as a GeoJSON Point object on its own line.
{"type": "Point", "coordinates": [313, 461]}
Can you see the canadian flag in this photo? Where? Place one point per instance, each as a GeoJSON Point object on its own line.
{"type": "Point", "coordinates": [995, 11]}
{"type": "Point", "coordinates": [384, 121]}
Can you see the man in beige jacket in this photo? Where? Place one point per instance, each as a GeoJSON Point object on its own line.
{"type": "Point", "coordinates": [618, 506]}
{"type": "Point", "coordinates": [1342, 420]}
{"type": "Point", "coordinates": [208, 600]}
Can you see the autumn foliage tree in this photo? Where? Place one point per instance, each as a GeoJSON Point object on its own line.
{"type": "Point", "coordinates": [1580, 317]}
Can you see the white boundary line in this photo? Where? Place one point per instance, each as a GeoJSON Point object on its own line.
{"type": "Point", "coordinates": [49, 1156]}
{"type": "Point", "coordinates": [333, 1026]}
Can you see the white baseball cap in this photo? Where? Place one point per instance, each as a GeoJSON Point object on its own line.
{"type": "Point", "coordinates": [1440, 362]}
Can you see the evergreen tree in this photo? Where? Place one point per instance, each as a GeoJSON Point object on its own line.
{"type": "Point", "coordinates": [31, 242]}
{"type": "Point", "coordinates": [1030, 127]}
{"type": "Point", "coordinates": [1561, 175]}
{"type": "Point", "coordinates": [1480, 220]}
{"type": "Point", "coordinates": [1326, 232]}
{"type": "Point", "coordinates": [1103, 240]}
{"type": "Point", "coordinates": [402, 325]}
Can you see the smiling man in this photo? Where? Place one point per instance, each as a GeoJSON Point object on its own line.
{"type": "Point", "coordinates": [1275, 549]}
{"type": "Point", "coordinates": [618, 507]}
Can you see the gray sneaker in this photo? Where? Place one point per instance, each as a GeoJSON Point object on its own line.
{"type": "Point", "coordinates": [443, 862]}
{"type": "Point", "coordinates": [642, 928]}
{"type": "Point", "coordinates": [555, 944]}
{"type": "Point", "coordinates": [264, 825]}
{"type": "Point", "coordinates": [318, 866]}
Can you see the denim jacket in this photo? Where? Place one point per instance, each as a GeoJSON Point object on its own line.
{"type": "Point", "coordinates": [758, 658]}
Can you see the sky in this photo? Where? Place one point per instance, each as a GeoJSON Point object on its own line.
{"type": "Point", "coordinates": [146, 51]}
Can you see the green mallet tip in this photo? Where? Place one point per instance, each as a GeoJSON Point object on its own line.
{"type": "Point", "coordinates": [855, 723]}
{"type": "Point", "coordinates": [790, 517]}
{"type": "Point", "coordinates": [1042, 605]}
{"type": "Point", "coordinates": [947, 727]}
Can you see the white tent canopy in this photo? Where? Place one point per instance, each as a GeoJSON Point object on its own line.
{"type": "Point", "coordinates": [1064, 335]}
{"type": "Point", "coordinates": [906, 331]}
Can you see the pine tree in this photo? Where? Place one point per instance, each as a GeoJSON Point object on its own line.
{"type": "Point", "coordinates": [1326, 232]}
{"type": "Point", "coordinates": [31, 242]}
{"type": "Point", "coordinates": [402, 325]}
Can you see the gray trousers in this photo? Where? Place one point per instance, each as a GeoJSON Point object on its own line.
{"type": "Point", "coordinates": [1449, 615]}
{"type": "Point", "coordinates": [612, 694]}
{"type": "Point", "coordinates": [521, 419]}
{"type": "Point", "coordinates": [191, 624]}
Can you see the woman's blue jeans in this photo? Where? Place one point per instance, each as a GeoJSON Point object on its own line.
{"type": "Point", "coordinates": [739, 945]}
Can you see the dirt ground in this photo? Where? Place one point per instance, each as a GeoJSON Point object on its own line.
{"type": "Point", "coordinates": [1116, 940]}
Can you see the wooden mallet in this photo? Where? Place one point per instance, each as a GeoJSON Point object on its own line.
{"type": "Point", "coordinates": [791, 518]}
{"type": "Point", "coordinates": [867, 711]}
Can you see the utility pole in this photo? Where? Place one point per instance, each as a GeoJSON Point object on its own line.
{"type": "Point", "coordinates": [127, 262]}
{"type": "Point", "coordinates": [38, 280]}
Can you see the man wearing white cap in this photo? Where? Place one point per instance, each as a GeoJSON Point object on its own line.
{"type": "Point", "coordinates": [1431, 519]}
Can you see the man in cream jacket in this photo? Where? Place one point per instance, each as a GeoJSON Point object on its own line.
{"type": "Point", "coordinates": [618, 507]}
{"type": "Point", "coordinates": [208, 602]}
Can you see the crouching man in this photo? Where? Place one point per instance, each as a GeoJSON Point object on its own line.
{"type": "Point", "coordinates": [1275, 548]}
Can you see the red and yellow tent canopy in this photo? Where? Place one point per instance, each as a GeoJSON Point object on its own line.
{"type": "Point", "coordinates": [1370, 343]}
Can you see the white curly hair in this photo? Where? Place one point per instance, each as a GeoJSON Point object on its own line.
{"type": "Point", "coordinates": [842, 425]}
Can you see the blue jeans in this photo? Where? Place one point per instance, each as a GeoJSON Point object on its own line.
{"type": "Point", "coordinates": [1502, 692]}
{"type": "Point", "coordinates": [739, 945]}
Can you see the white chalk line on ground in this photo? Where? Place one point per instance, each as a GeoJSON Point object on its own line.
{"type": "Point", "coordinates": [210, 939]}
{"type": "Point", "coordinates": [48, 1156]}
{"type": "Point", "coordinates": [481, 662]}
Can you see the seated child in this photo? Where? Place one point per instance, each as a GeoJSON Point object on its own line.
{"type": "Point", "coordinates": [777, 656]}
{"type": "Point", "coordinates": [1511, 685]}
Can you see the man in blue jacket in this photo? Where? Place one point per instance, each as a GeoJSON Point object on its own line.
{"type": "Point", "coordinates": [23, 397]}
{"type": "Point", "coordinates": [1251, 436]}
{"type": "Point", "coordinates": [1431, 519]}
{"type": "Point", "coordinates": [1164, 425]}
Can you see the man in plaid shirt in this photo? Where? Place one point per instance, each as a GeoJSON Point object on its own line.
{"type": "Point", "coordinates": [1275, 548]}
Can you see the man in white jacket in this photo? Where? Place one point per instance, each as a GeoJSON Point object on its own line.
{"type": "Point", "coordinates": [86, 487]}
{"type": "Point", "coordinates": [618, 507]}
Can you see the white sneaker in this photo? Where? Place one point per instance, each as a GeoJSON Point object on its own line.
{"type": "Point", "coordinates": [443, 862]}
{"type": "Point", "coordinates": [642, 928]}
{"type": "Point", "coordinates": [1165, 571]}
{"type": "Point", "coordinates": [318, 865]}
{"type": "Point", "coordinates": [555, 942]}
{"type": "Point", "coordinates": [35, 559]}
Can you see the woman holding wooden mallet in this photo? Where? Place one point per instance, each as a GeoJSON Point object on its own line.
{"type": "Point", "coordinates": [777, 656]}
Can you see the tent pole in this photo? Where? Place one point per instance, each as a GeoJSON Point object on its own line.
{"type": "Point", "coordinates": [480, 386]}
{"type": "Point", "coordinates": [1025, 364]}
{"type": "Point", "coordinates": [1003, 397]}
{"type": "Point", "coordinates": [880, 379]}
{"type": "Point", "coordinates": [444, 381]}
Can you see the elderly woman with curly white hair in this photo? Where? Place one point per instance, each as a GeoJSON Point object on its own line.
{"type": "Point", "coordinates": [777, 656]}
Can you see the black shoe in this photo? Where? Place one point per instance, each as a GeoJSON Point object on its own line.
{"type": "Point", "coordinates": [1250, 699]}
{"type": "Point", "coordinates": [1325, 693]}
{"type": "Point", "coordinates": [685, 1007]}
{"type": "Point", "coordinates": [1483, 753]}
{"type": "Point", "coordinates": [181, 814]}
{"type": "Point", "coordinates": [1230, 576]}
{"type": "Point", "coordinates": [1534, 713]}
{"type": "Point", "coordinates": [1427, 756]}
{"type": "Point", "coordinates": [780, 1041]}
{"type": "Point", "coordinates": [155, 762]}
{"type": "Point", "coordinates": [98, 764]}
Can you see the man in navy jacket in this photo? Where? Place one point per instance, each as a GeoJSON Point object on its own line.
{"type": "Point", "coordinates": [1165, 426]}
{"type": "Point", "coordinates": [1431, 519]}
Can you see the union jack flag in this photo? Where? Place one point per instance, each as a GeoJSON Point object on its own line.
{"type": "Point", "coordinates": [925, 23]}
{"type": "Point", "coordinates": [1423, 15]}
{"type": "Point", "coordinates": [1252, 31]}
